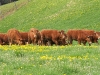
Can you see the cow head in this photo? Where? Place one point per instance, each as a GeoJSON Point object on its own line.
{"type": "Point", "coordinates": [19, 41]}
{"type": "Point", "coordinates": [89, 39]}
{"type": "Point", "coordinates": [62, 34]}
{"type": "Point", "coordinates": [95, 38]}
{"type": "Point", "coordinates": [34, 32]}
{"type": "Point", "coordinates": [63, 37]}
{"type": "Point", "coordinates": [98, 35]}
{"type": "Point", "coordinates": [92, 38]}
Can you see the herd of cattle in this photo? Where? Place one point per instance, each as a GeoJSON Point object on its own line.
{"type": "Point", "coordinates": [49, 37]}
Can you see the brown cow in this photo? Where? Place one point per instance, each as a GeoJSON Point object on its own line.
{"type": "Point", "coordinates": [52, 37]}
{"type": "Point", "coordinates": [93, 34]}
{"type": "Point", "coordinates": [14, 37]}
{"type": "Point", "coordinates": [79, 36]}
{"type": "Point", "coordinates": [24, 36]}
{"type": "Point", "coordinates": [34, 36]}
{"type": "Point", "coordinates": [3, 39]}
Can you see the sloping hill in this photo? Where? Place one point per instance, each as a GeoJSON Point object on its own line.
{"type": "Point", "coordinates": [55, 14]}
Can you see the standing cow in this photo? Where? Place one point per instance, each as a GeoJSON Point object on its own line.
{"type": "Point", "coordinates": [34, 36]}
{"type": "Point", "coordinates": [79, 36]}
{"type": "Point", "coordinates": [92, 34]}
{"type": "Point", "coordinates": [52, 37]}
{"type": "Point", "coordinates": [14, 36]}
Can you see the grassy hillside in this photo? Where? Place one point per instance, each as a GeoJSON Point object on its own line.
{"type": "Point", "coordinates": [54, 14]}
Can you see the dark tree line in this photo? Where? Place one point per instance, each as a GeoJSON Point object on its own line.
{"type": "Point", "coordinates": [6, 1]}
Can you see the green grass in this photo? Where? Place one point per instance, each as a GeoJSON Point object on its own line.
{"type": "Point", "coordinates": [52, 60]}
{"type": "Point", "coordinates": [54, 14]}
{"type": "Point", "coordinates": [55, 60]}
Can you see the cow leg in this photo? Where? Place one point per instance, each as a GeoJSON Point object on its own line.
{"type": "Point", "coordinates": [97, 42]}
{"type": "Point", "coordinates": [29, 40]}
{"type": "Point", "coordinates": [79, 41]}
{"type": "Point", "coordinates": [89, 44]}
{"type": "Point", "coordinates": [84, 43]}
{"type": "Point", "coordinates": [49, 43]}
{"type": "Point", "coordinates": [1, 42]}
{"type": "Point", "coordinates": [10, 41]}
{"type": "Point", "coordinates": [55, 41]}
{"type": "Point", "coordinates": [26, 43]}
{"type": "Point", "coordinates": [43, 42]}
{"type": "Point", "coordinates": [39, 42]}
{"type": "Point", "coordinates": [70, 42]}
{"type": "Point", "coordinates": [64, 42]}
{"type": "Point", "coordinates": [35, 42]}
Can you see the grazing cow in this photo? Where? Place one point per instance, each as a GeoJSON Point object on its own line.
{"type": "Point", "coordinates": [79, 36]}
{"type": "Point", "coordinates": [34, 36]}
{"type": "Point", "coordinates": [93, 34]}
{"type": "Point", "coordinates": [24, 36]}
{"type": "Point", "coordinates": [3, 39]}
{"type": "Point", "coordinates": [52, 37]}
{"type": "Point", "coordinates": [14, 37]}
{"type": "Point", "coordinates": [98, 33]}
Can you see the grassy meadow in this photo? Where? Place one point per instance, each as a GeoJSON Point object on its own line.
{"type": "Point", "coordinates": [50, 60]}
